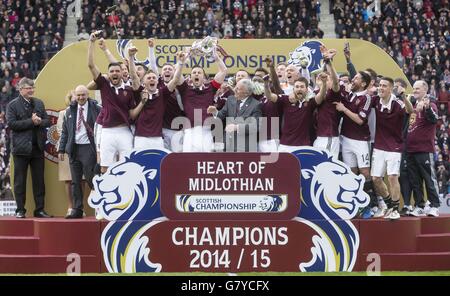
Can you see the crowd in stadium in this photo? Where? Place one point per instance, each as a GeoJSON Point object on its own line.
{"type": "Point", "coordinates": [416, 38]}
{"type": "Point", "coordinates": [197, 19]}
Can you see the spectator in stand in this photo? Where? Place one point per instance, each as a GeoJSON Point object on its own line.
{"type": "Point", "coordinates": [420, 31]}
{"type": "Point", "coordinates": [232, 19]}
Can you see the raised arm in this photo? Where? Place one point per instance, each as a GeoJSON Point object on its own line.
{"type": "Point", "coordinates": [181, 60]}
{"type": "Point", "coordinates": [273, 76]}
{"type": "Point", "coordinates": [430, 114]}
{"type": "Point", "coordinates": [152, 56]}
{"type": "Point", "coordinates": [91, 85]}
{"type": "Point", "coordinates": [267, 92]}
{"type": "Point", "coordinates": [92, 67]}
{"type": "Point", "coordinates": [220, 76]}
{"type": "Point", "coordinates": [331, 70]}
{"type": "Point", "coordinates": [320, 97]}
{"type": "Point", "coordinates": [135, 81]}
{"type": "Point", "coordinates": [106, 51]}
{"type": "Point", "coordinates": [408, 106]}
{"type": "Point", "coordinates": [350, 67]}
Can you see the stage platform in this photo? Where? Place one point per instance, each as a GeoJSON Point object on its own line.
{"type": "Point", "coordinates": [42, 245]}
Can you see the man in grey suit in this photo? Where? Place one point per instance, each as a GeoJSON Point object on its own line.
{"type": "Point", "coordinates": [77, 140]}
{"type": "Point", "coordinates": [241, 113]}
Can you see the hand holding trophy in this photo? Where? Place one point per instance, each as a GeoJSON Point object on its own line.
{"type": "Point", "coordinates": [205, 47]}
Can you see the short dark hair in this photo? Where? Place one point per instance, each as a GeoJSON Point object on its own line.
{"type": "Point", "coordinates": [389, 79]}
{"type": "Point", "coordinates": [365, 78]}
{"type": "Point", "coordinates": [262, 70]}
{"type": "Point", "coordinates": [243, 71]}
{"type": "Point", "coordinates": [372, 73]}
{"type": "Point", "coordinates": [167, 64]}
{"type": "Point", "coordinates": [143, 66]}
{"type": "Point", "coordinates": [122, 63]}
{"type": "Point", "coordinates": [150, 71]}
{"type": "Point", "coordinates": [204, 73]}
{"type": "Point", "coordinates": [344, 74]}
{"type": "Point", "coordinates": [302, 79]}
{"type": "Point", "coordinates": [401, 81]}
{"type": "Point", "coordinates": [114, 64]}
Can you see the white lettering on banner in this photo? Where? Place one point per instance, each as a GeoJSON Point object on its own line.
{"type": "Point", "coordinates": [235, 184]}
{"type": "Point", "coordinates": [230, 236]}
{"type": "Point", "coordinates": [212, 167]}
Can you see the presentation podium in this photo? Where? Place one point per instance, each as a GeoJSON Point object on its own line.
{"type": "Point", "coordinates": [225, 212]}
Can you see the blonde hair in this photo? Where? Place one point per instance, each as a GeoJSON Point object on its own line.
{"type": "Point", "coordinates": [68, 97]}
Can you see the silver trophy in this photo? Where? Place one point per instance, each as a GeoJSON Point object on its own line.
{"type": "Point", "coordinates": [205, 47]}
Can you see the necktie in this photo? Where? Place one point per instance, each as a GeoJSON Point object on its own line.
{"type": "Point", "coordinates": [80, 118]}
{"type": "Point", "coordinates": [238, 106]}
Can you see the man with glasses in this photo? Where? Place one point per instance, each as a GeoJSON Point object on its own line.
{"type": "Point", "coordinates": [28, 120]}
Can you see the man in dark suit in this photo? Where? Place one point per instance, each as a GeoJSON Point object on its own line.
{"type": "Point", "coordinates": [77, 140]}
{"type": "Point", "coordinates": [27, 118]}
{"type": "Point", "coordinates": [241, 113]}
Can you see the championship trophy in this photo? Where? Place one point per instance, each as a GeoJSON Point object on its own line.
{"type": "Point", "coordinates": [206, 47]}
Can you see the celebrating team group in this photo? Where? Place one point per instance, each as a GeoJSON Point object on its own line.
{"type": "Point", "coordinates": [277, 110]}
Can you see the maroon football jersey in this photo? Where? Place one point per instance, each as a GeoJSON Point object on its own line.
{"type": "Point", "coordinates": [327, 115]}
{"type": "Point", "coordinates": [297, 121]}
{"type": "Point", "coordinates": [421, 132]}
{"type": "Point", "coordinates": [358, 103]}
{"type": "Point", "coordinates": [197, 98]}
{"type": "Point", "coordinates": [172, 109]}
{"type": "Point", "coordinates": [389, 124]}
{"type": "Point", "coordinates": [149, 122]}
{"type": "Point", "coordinates": [115, 105]}
{"type": "Point", "coordinates": [270, 110]}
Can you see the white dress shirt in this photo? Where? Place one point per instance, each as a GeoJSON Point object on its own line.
{"type": "Point", "coordinates": [81, 136]}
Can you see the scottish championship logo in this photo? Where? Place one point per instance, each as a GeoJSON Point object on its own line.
{"type": "Point", "coordinates": [231, 203]}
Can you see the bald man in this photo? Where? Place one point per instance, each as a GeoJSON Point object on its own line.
{"type": "Point", "coordinates": [77, 140]}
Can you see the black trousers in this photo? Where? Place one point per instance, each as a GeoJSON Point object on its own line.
{"type": "Point", "coordinates": [82, 161]}
{"type": "Point", "coordinates": [420, 170]}
{"type": "Point", "coordinates": [405, 182]}
{"type": "Point", "coordinates": [21, 163]}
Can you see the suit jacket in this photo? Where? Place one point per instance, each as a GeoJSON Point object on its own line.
{"type": "Point", "coordinates": [246, 119]}
{"type": "Point", "coordinates": [18, 117]}
{"type": "Point", "coordinates": [67, 140]}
